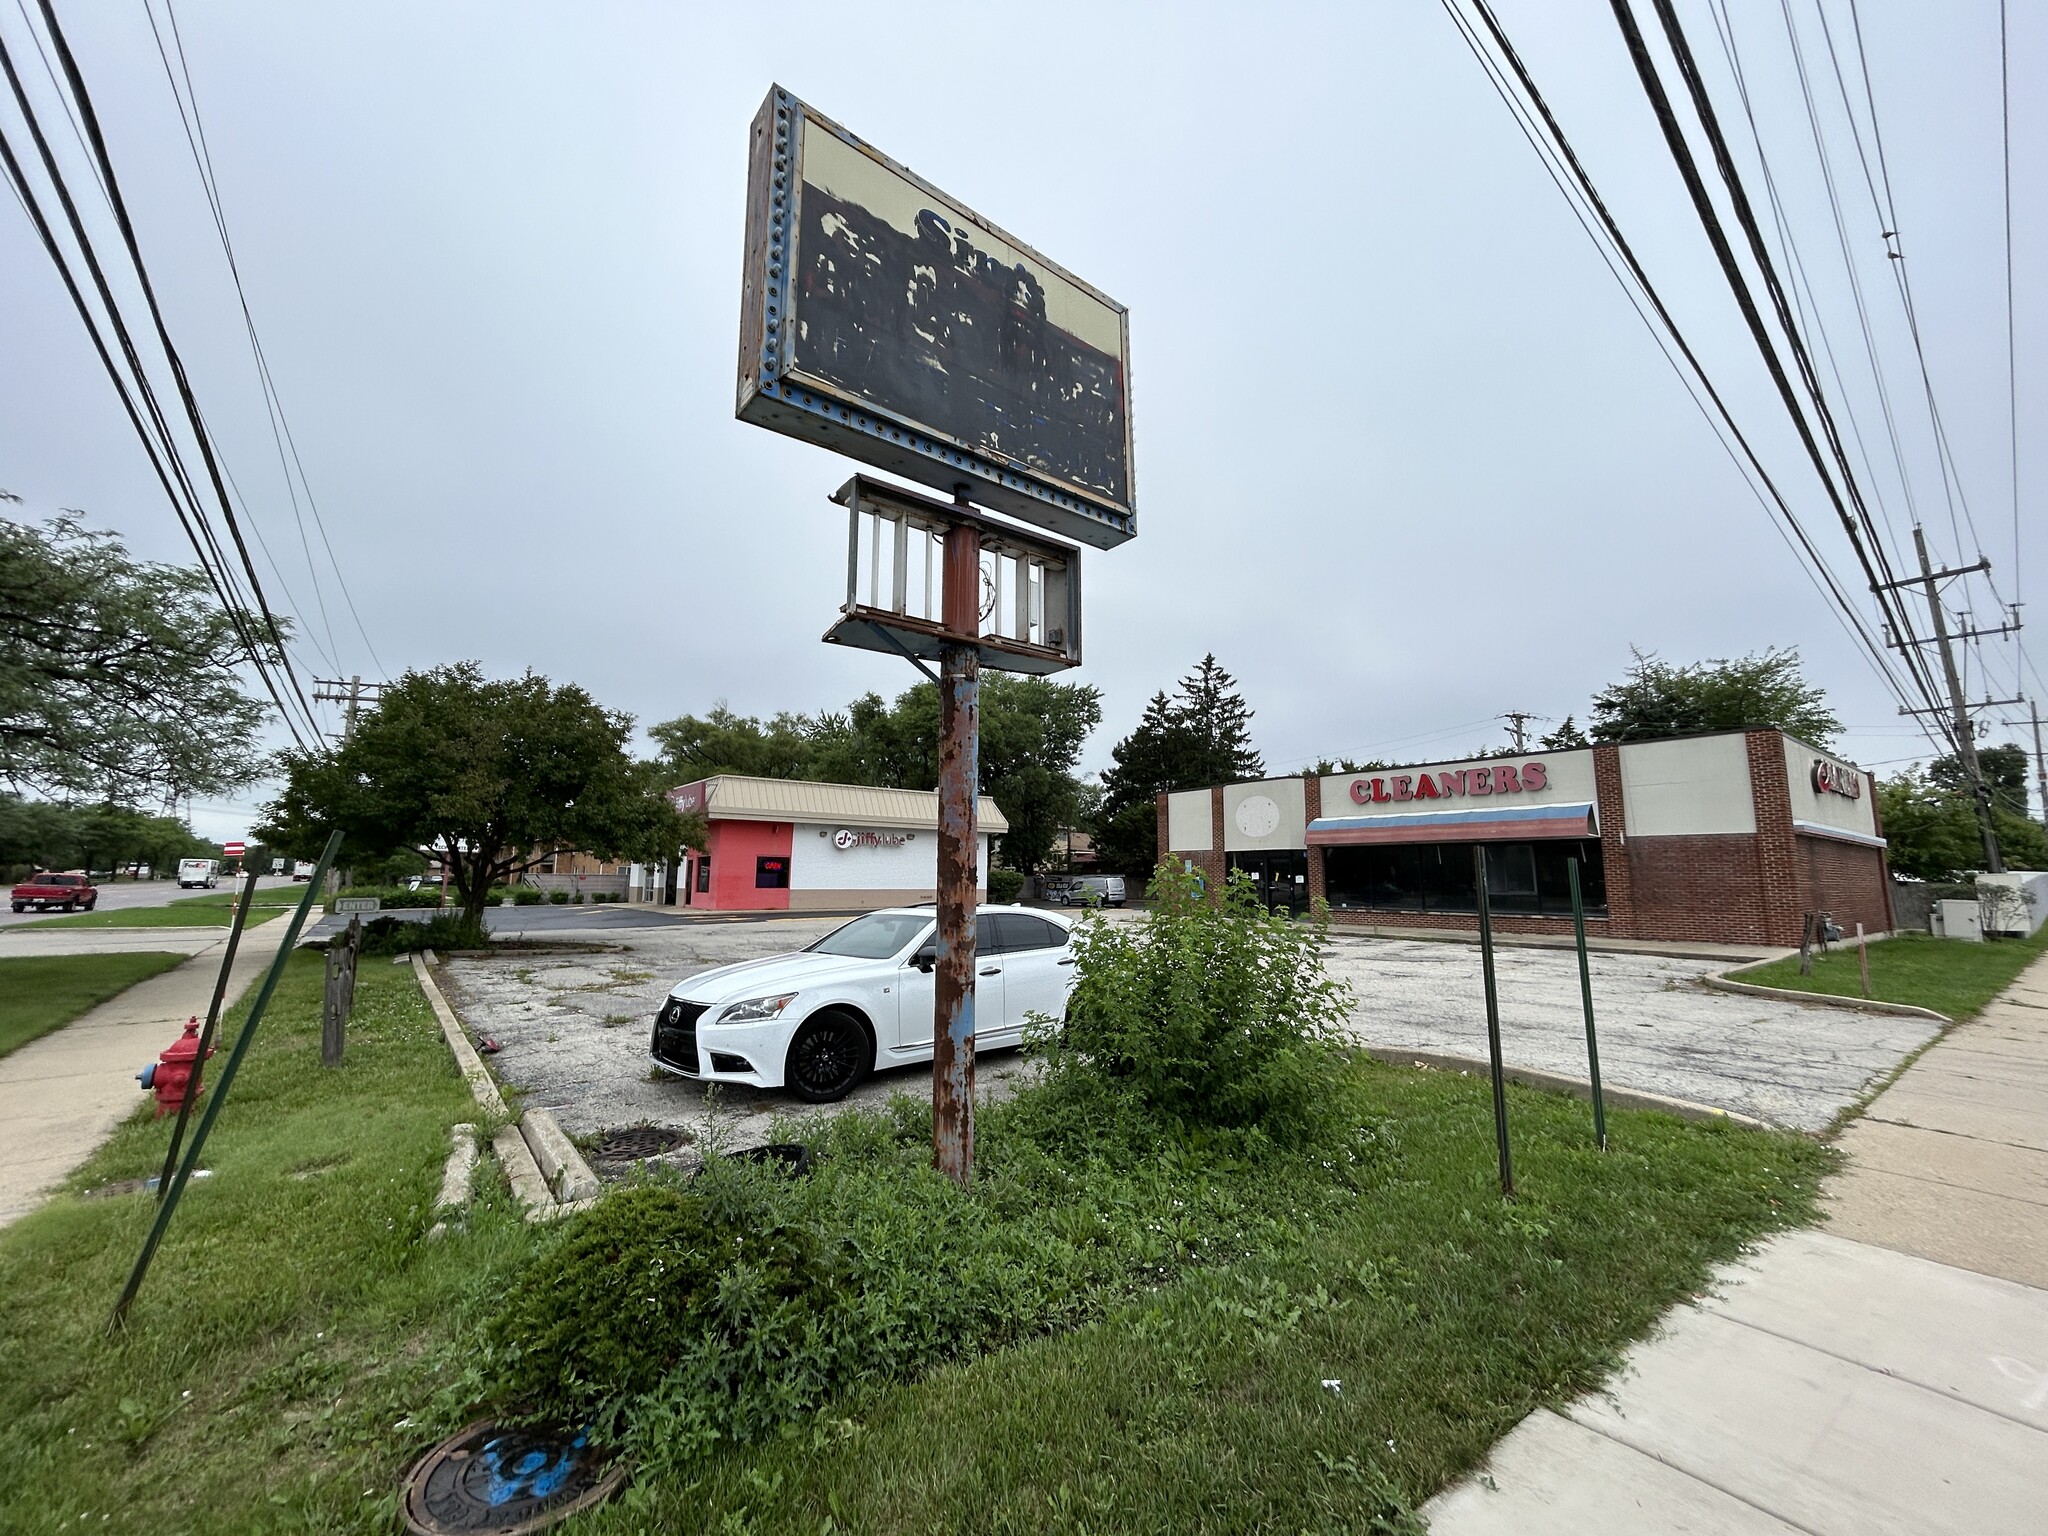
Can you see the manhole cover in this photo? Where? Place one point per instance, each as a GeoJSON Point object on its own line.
{"type": "Point", "coordinates": [638, 1142]}
{"type": "Point", "coordinates": [487, 1478]}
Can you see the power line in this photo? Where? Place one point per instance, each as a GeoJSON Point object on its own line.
{"type": "Point", "coordinates": [90, 119]}
{"type": "Point", "coordinates": [280, 424]}
{"type": "Point", "coordinates": [1721, 420]}
{"type": "Point", "coordinates": [1846, 497]}
{"type": "Point", "coordinates": [160, 446]}
{"type": "Point", "coordinates": [2012, 387]}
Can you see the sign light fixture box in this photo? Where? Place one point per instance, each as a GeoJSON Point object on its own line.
{"type": "Point", "coordinates": [883, 319]}
{"type": "Point", "coordinates": [1030, 586]}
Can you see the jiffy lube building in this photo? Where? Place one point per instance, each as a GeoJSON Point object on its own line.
{"type": "Point", "coordinates": [1730, 838]}
{"type": "Point", "coordinates": [795, 845]}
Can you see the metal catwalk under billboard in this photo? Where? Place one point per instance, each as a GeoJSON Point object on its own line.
{"type": "Point", "coordinates": [890, 322]}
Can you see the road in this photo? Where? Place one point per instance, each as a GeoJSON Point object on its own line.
{"type": "Point", "coordinates": [119, 895]}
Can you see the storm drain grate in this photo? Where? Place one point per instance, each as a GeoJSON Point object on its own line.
{"type": "Point", "coordinates": [637, 1143]}
{"type": "Point", "coordinates": [506, 1481]}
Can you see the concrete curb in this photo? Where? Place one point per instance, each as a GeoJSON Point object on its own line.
{"type": "Point", "coordinates": [481, 1084]}
{"type": "Point", "coordinates": [568, 1175]}
{"type": "Point", "coordinates": [1723, 982]}
{"type": "Point", "coordinates": [1578, 1088]}
{"type": "Point", "coordinates": [528, 1186]}
{"type": "Point", "coordinates": [456, 1176]}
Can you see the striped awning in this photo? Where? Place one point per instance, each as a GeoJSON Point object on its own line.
{"type": "Point", "coordinates": [1492, 824]}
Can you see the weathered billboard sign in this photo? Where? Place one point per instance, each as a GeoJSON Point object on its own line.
{"type": "Point", "coordinates": [883, 318]}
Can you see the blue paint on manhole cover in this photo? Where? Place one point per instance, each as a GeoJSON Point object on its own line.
{"type": "Point", "coordinates": [487, 1478]}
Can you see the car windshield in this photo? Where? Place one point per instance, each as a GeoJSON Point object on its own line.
{"type": "Point", "coordinates": [874, 937]}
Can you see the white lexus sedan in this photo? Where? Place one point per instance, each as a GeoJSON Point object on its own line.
{"type": "Point", "coordinates": [818, 1021]}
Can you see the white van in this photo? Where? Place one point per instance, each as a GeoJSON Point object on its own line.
{"type": "Point", "coordinates": [1093, 891]}
{"type": "Point", "coordinates": [194, 873]}
{"type": "Point", "coordinates": [303, 870]}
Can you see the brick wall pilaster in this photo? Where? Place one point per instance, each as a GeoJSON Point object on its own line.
{"type": "Point", "coordinates": [1165, 845]}
{"type": "Point", "coordinates": [1312, 807]}
{"type": "Point", "coordinates": [1218, 865]}
{"type": "Point", "coordinates": [1780, 870]}
{"type": "Point", "coordinates": [1613, 817]}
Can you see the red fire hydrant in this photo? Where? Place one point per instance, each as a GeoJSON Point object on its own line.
{"type": "Point", "coordinates": [172, 1070]}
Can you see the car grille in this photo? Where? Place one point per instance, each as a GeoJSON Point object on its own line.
{"type": "Point", "coordinates": [675, 1035]}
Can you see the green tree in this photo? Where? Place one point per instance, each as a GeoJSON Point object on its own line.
{"type": "Point", "coordinates": [492, 776]}
{"type": "Point", "coordinates": [44, 834]}
{"type": "Point", "coordinates": [2005, 775]}
{"type": "Point", "coordinates": [1564, 738]}
{"type": "Point", "coordinates": [1032, 729]}
{"type": "Point", "coordinates": [1197, 737]}
{"type": "Point", "coordinates": [1760, 691]}
{"type": "Point", "coordinates": [1933, 832]}
{"type": "Point", "coordinates": [119, 678]}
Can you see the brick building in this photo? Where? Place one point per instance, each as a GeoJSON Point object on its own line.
{"type": "Point", "coordinates": [1730, 837]}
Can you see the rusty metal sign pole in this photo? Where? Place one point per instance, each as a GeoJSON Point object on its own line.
{"type": "Point", "coordinates": [959, 850]}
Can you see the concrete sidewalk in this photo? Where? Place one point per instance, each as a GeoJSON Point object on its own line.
{"type": "Point", "coordinates": [1887, 1374]}
{"type": "Point", "coordinates": [62, 1095]}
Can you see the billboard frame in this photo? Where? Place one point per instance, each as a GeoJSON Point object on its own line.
{"type": "Point", "coordinates": [774, 393]}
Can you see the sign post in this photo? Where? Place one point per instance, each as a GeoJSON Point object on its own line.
{"type": "Point", "coordinates": [884, 319]}
{"type": "Point", "coordinates": [959, 856]}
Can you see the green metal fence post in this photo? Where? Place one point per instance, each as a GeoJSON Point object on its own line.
{"type": "Point", "coordinates": [220, 992]}
{"type": "Point", "coordinates": [169, 1205]}
{"type": "Point", "coordinates": [1500, 1092]}
{"type": "Point", "coordinates": [1586, 995]}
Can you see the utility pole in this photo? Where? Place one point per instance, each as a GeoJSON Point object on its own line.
{"type": "Point", "coordinates": [350, 695]}
{"type": "Point", "coordinates": [1518, 727]}
{"type": "Point", "coordinates": [1959, 708]}
{"type": "Point", "coordinates": [2040, 763]}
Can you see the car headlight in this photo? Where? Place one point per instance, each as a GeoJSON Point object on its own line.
{"type": "Point", "coordinates": [756, 1009]}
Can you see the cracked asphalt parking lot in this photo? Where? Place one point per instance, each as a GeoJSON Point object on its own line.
{"type": "Point", "coordinates": [572, 1018]}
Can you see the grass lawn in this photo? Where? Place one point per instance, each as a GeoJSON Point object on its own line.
{"type": "Point", "coordinates": [1947, 975]}
{"type": "Point", "coordinates": [216, 909]}
{"type": "Point", "coordinates": [39, 993]}
{"type": "Point", "coordinates": [299, 1341]}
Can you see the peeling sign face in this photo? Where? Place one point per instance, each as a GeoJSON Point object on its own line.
{"type": "Point", "coordinates": [898, 298]}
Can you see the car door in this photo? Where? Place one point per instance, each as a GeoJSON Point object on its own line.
{"type": "Point", "coordinates": [1038, 968]}
{"type": "Point", "coordinates": [915, 989]}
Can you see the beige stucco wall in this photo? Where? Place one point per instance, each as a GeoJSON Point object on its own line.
{"type": "Point", "coordinates": [1247, 808]}
{"type": "Point", "coordinates": [1830, 810]}
{"type": "Point", "coordinates": [1188, 828]}
{"type": "Point", "coordinates": [1687, 788]}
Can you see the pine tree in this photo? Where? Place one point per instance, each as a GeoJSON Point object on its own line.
{"type": "Point", "coordinates": [1564, 738]}
{"type": "Point", "coordinates": [1214, 714]}
{"type": "Point", "coordinates": [1197, 737]}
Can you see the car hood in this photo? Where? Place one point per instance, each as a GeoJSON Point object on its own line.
{"type": "Point", "coordinates": [762, 978]}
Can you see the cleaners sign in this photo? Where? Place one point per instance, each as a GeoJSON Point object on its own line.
{"type": "Point", "coordinates": [1499, 779]}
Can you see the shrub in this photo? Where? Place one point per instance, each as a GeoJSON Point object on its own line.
{"type": "Point", "coordinates": [558, 898]}
{"type": "Point", "coordinates": [401, 936]}
{"type": "Point", "coordinates": [674, 1318]}
{"type": "Point", "coordinates": [527, 896]}
{"type": "Point", "coordinates": [1214, 1015]}
{"type": "Point", "coordinates": [494, 898]}
{"type": "Point", "coordinates": [1005, 885]}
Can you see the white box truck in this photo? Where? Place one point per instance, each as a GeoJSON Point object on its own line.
{"type": "Point", "coordinates": [196, 873]}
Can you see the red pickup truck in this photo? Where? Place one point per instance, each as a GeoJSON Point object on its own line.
{"type": "Point", "coordinates": [65, 892]}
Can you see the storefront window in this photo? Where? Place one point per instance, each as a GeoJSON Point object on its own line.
{"type": "Point", "coordinates": [771, 874]}
{"type": "Point", "coordinates": [1437, 877]}
{"type": "Point", "coordinates": [704, 874]}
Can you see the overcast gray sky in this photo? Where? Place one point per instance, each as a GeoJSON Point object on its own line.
{"type": "Point", "coordinates": [1405, 457]}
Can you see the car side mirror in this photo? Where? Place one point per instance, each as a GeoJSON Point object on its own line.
{"type": "Point", "coordinates": [926, 959]}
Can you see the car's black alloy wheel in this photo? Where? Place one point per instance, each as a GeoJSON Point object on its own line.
{"type": "Point", "coordinates": [827, 1058]}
